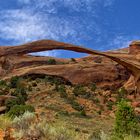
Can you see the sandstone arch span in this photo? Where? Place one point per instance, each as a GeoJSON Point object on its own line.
{"type": "Point", "coordinates": [44, 45]}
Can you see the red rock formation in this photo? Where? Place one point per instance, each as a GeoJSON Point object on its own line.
{"type": "Point", "coordinates": [8, 68]}
{"type": "Point", "coordinates": [134, 48]}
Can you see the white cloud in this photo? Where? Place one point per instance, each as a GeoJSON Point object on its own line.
{"type": "Point", "coordinates": [38, 19]}
{"type": "Point", "coordinates": [23, 26]}
{"type": "Point", "coordinates": [121, 41]}
{"type": "Point", "coordinates": [108, 2]}
{"type": "Point", "coordinates": [52, 6]}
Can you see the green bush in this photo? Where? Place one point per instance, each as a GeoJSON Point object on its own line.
{"type": "Point", "coordinates": [51, 61]}
{"type": "Point", "coordinates": [93, 87]}
{"type": "Point", "coordinates": [98, 59]}
{"type": "Point", "coordinates": [14, 81]}
{"type": "Point", "coordinates": [53, 80]}
{"type": "Point", "coordinates": [122, 92]}
{"type": "Point", "coordinates": [73, 60]}
{"type": "Point", "coordinates": [12, 102]}
{"type": "Point", "coordinates": [110, 104]}
{"type": "Point", "coordinates": [76, 106]}
{"type": "Point", "coordinates": [2, 83]}
{"type": "Point", "coordinates": [20, 98]}
{"type": "Point", "coordinates": [62, 91]}
{"type": "Point", "coordinates": [99, 112]}
{"type": "Point", "coordinates": [95, 100]}
{"type": "Point", "coordinates": [83, 113]}
{"type": "Point", "coordinates": [19, 110]}
{"type": "Point", "coordinates": [79, 90]}
{"type": "Point", "coordinates": [126, 122]}
{"type": "Point", "coordinates": [20, 92]}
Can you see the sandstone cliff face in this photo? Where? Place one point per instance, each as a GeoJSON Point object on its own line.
{"type": "Point", "coordinates": [134, 47]}
{"type": "Point", "coordinates": [106, 74]}
{"type": "Point", "coordinates": [98, 69]}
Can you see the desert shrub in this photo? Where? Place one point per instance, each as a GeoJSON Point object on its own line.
{"type": "Point", "coordinates": [99, 112]}
{"type": "Point", "coordinates": [19, 110]}
{"type": "Point", "coordinates": [79, 90]}
{"type": "Point", "coordinates": [98, 59]}
{"type": "Point", "coordinates": [126, 122]}
{"type": "Point", "coordinates": [110, 104]}
{"type": "Point", "coordinates": [38, 80]}
{"type": "Point", "coordinates": [53, 80]}
{"type": "Point", "coordinates": [12, 102]}
{"type": "Point", "coordinates": [51, 61]}
{"type": "Point", "coordinates": [23, 121]}
{"type": "Point", "coordinates": [73, 60]}
{"type": "Point", "coordinates": [14, 81]}
{"type": "Point", "coordinates": [62, 91]}
{"type": "Point", "coordinates": [95, 100]}
{"type": "Point", "coordinates": [83, 112]}
{"type": "Point", "coordinates": [60, 63]}
{"type": "Point", "coordinates": [5, 122]}
{"type": "Point", "coordinates": [93, 87]}
{"type": "Point", "coordinates": [63, 113]}
{"type": "Point", "coordinates": [30, 88]}
{"type": "Point", "coordinates": [34, 84]}
{"type": "Point", "coordinates": [3, 83]}
{"type": "Point", "coordinates": [20, 92]}
{"type": "Point", "coordinates": [4, 90]}
{"type": "Point", "coordinates": [76, 106]}
{"type": "Point", "coordinates": [26, 127]}
{"type": "Point", "coordinates": [122, 92]}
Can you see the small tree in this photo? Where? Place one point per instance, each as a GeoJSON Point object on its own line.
{"type": "Point", "coordinates": [62, 91]}
{"type": "Point", "coordinates": [93, 87]}
{"type": "Point", "coordinates": [73, 60]}
{"type": "Point", "coordinates": [51, 61]}
{"type": "Point", "coordinates": [122, 92]}
{"type": "Point", "coordinates": [19, 110]}
{"type": "Point", "coordinates": [79, 90]}
{"type": "Point", "coordinates": [2, 83]}
{"type": "Point", "coordinates": [14, 81]}
{"type": "Point", "coordinates": [126, 122]}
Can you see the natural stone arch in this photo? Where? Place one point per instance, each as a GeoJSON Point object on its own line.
{"type": "Point", "coordinates": [44, 45]}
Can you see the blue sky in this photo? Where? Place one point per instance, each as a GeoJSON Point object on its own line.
{"type": "Point", "coordinates": [97, 24]}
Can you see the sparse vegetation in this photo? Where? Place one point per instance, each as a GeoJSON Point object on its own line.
{"type": "Point", "coordinates": [79, 90]}
{"type": "Point", "coordinates": [122, 92]}
{"type": "Point", "coordinates": [27, 127]}
{"type": "Point", "coordinates": [78, 100]}
{"type": "Point", "coordinates": [93, 87]}
{"type": "Point", "coordinates": [51, 61]}
{"type": "Point", "coordinates": [3, 83]}
{"type": "Point", "coordinates": [19, 110]}
{"type": "Point", "coordinates": [34, 84]}
{"type": "Point", "coordinates": [73, 60]}
{"type": "Point", "coordinates": [76, 106]}
{"type": "Point", "coordinates": [14, 82]}
{"type": "Point", "coordinates": [62, 91]}
{"type": "Point", "coordinates": [12, 102]}
{"type": "Point", "coordinates": [109, 105]}
{"type": "Point", "coordinates": [126, 122]}
{"type": "Point", "coordinates": [98, 59]}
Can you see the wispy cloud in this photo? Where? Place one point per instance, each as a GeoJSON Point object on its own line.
{"type": "Point", "coordinates": [44, 19]}
{"type": "Point", "coordinates": [121, 41]}
{"type": "Point", "coordinates": [23, 25]}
